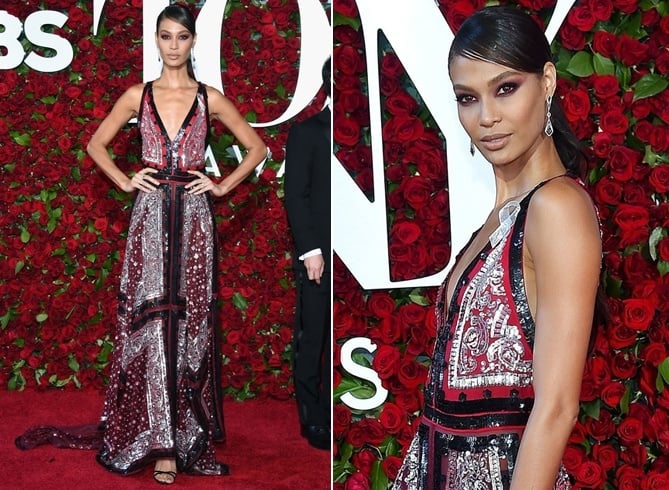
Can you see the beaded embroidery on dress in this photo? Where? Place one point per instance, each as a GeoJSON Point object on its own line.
{"type": "Point", "coordinates": [164, 399]}
{"type": "Point", "coordinates": [479, 393]}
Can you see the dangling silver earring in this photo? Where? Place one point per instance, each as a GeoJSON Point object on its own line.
{"type": "Point", "coordinates": [192, 55]}
{"type": "Point", "coordinates": [471, 147]}
{"type": "Point", "coordinates": [160, 60]}
{"type": "Point", "coordinates": [549, 124]}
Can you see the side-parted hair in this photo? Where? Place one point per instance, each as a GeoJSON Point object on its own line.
{"type": "Point", "coordinates": [509, 37]}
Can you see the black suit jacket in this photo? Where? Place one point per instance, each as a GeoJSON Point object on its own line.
{"type": "Point", "coordinates": [307, 186]}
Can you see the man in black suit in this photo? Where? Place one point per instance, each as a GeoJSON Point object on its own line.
{"type": "Point", "coordinates": [307, 201]}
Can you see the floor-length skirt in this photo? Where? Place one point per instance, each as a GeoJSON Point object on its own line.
{"type": "Point", "coordinates": [164, 398]}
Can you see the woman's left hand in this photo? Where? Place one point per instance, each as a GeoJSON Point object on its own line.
{"type": "Point", "coordinates": [203, 184]}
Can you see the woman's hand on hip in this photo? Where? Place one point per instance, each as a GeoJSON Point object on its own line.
{"type": "Point", "coordinates": [203, 184]}
{"type": "Point", "coordinates": [142, 181]}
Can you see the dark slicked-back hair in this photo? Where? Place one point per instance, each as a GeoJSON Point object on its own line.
{"type": "Point", "coordinates": [509, 37]}
{"type": "Point", "coordinates": [181, 15]}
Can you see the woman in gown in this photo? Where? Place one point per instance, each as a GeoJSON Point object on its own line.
{"type": "Point", "coordinates": [516, 311]}
{"type": "Point", "coordinates": [164, 402]}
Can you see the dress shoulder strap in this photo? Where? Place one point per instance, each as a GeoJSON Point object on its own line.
{"type": "Point", "coordinates": [145, 94]}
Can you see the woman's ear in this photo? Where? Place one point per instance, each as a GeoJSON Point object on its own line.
{"type": "Point", "coordinates": [549, 78]}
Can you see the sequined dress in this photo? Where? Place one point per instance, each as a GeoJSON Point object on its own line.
{"type": "Point", "coordinates": [164, 398]}
{"type": "Point", "coordinates": [479, 393]}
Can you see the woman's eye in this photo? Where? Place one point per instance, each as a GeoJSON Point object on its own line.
{"type": "Point", "coordinates": [164, 37]}
{"type": "Point", "coordinates": [184, 37]}
{"type": "Point", "coordinates": [507, 88]}
{"type": "Point", "coordinates": [464, 99]}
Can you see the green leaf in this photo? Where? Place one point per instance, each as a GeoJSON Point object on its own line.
{"type": "Point", "coordinates": [239, 301]}
{"type": "Point", "coordinates": [41, 317]}
{"type": "Point", "coordinates": [19, 265]}
{"type": "Point", "coordinates": [663, 370]}
{"type": "Point", "coordinates": [663, 267]}
{"type": "Point", "coordinates": [72, 362]}
{"type": "Point", "coordinates": [25, 236]}
{"type": "Point", "coordinates": [416, 297]}
{"type": "Point", "coordinates": [603, 65]}
{"type": "Point", "coordinates": [649, 85]}
{"type": "Point", "coordinates": [22, 139]}
{"type": "Point", "coordinates": [342, 20]}
{"type": "Point", "coordinates": [581, 64]}
{"type": "Point", "coordinates": [625, 400]}
{"type": "Point", "coordinates": [379, 477]}
{"type": "Point", "coordinates": [655, 237]}
{"type": "Point", "coordinates": [592, 409]}
{"type": "Point", "coordinates": [659, 384]}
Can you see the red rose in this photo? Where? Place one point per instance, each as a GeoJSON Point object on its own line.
{"type": "Point", "coordinates": [392, 418]}
{"type": "Point", "coordinates": [604, 43]}
{"type": "Point", "coordinates": [391, 465]}
{"type": "Point", "coordinates": [605, 86]}
{"type": "Point", "coordinates": [347, 60]}
{"type": "Point", "coordinates": [357, 481]}
{"type": "Point", "coordinates": [659, 178]}
{"type": "Point", "coordinates": [608, 191]}
{"type": "Point", "coordinates": [417, 191]}
{"type": "Point", "coordinates": [411, 373]}
{"type": "Point", "coordinates": [630, 51]}
{"type": "Point", "coordinates": [576, 104]}
{"type": "Point", "coordinates": [631, 217]}
{"type": "Point", "coordinates": [613, 393]}
{"type": "Point", "coordinates": [654, 353]}
{"type": "Point", "coordinates": [581, 17]}
{"type": "Point", "coordinates": [391, 66]}
{"type": "Point", "coordinates": [656, 481]}
{"type": "Point", "coordinates": [623, 365]}
{"type": "Point", "coordinates": [630, 431]}
{"type": "Point", "coordinates": [573, 458]}
{"type": "Point", "coordinates": [614, 122]}
{"type": "Point", "coordinates": [364, 460]}
{"type": "Point", "coordinates": [601, 9]}
{"type": "Point", "coordinates": [403, 129]}
{"type": "Point", "coordinates": [388, 330]}
{"type": "Point", "coordinates": [638, 313]}
{"type": "Point", "coordinates": [401, 103]}
{"type": "Point", "coordinates": [628, 478]}
{"type": "Point", "coordinates": [406, 232]}
{"type": "Point", "coordinates": [381, 304]}
{"type": "Point", "coordinates": [606, 455]}
{"type": "Point", "coordinates": [386, 361]}
{"type": "Point", "coordinates": [601, 429]}
{"type": "Point", "coordinates": [621, 162]}
{"type": "Point", "coordinates": [626, 6]}
{"type": "Point", "coordinates": [571, 37]}
{"type": "Point", "coordinates": [590, 475]}
{"type": "Point", "coordinates": [457, 12]}
{"type": "Point", "coordinates": [346, 129]}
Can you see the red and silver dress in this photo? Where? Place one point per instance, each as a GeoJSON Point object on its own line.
{"type": "Point", "coordinates": [164, 397]}
{"type": "Point", "coordinates": [479, 391]}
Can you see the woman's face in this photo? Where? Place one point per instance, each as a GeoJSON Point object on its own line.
{"type": "Point", "coordinates": [174, 42]}
{"type": "Point", "coordinates": [503, 110]}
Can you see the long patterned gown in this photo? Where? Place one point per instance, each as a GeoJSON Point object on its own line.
{"type": "Point", "coordinates": [479, 393]}
{"type": "Point", "coordinates": [164, 397]}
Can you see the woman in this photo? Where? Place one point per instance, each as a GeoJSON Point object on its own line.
{"type": "Point", "coordinates": [515, 313]}
{"type": "Point", "coordinates": [164, 402]}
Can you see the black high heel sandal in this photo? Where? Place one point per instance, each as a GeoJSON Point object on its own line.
{"type": "Point", "coordinates": [172, 474]}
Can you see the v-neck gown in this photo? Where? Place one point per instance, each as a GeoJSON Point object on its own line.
{"type": "Point", "coordinates": [479, 393]}
{"type": "Point", "coordinates": [164, 398]}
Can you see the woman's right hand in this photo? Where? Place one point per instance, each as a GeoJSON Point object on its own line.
{"type": "Point", "coordinates": [142, 181]}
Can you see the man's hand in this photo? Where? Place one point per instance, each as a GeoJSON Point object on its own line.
{"type": "Point", "coordinates": [315, 266]}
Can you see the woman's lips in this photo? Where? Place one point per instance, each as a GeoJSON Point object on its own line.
{"type": "Point", "coordinates": [494, 141]}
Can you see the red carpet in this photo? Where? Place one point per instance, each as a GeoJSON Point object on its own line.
{"type": "Point", "coordinates": [264, 448]}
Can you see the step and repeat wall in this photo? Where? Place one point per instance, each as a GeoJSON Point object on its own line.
{"type": "Point", "coordinates": [63, 64]}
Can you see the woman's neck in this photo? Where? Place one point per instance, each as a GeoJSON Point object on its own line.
{"type": "Point", "coordinates": [515, 180]}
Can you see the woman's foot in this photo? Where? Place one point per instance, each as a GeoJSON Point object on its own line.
{"type": "Point", "coordinates": [165, 471]}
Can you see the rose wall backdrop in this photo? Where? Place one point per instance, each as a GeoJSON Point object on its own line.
{"type": "Point", "coordinates": [63, 224]}
{"type": "Point", "coordinates": [613, 63]}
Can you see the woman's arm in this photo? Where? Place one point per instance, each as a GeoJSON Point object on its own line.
{"type": "Point", "coordinates": [564, 249]}
{"type": "Point", "coordinates": [125, 108]}
{"type": "Point", "coordinates": [223, 110]}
